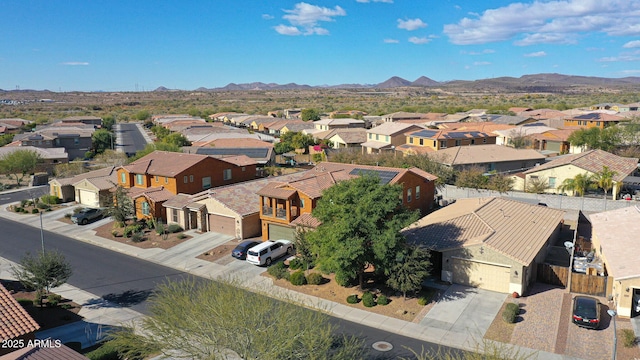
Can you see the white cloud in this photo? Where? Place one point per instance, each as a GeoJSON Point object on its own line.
{"type": "Point", "coordinates": [483, 52]}
{"type": "Point", "coordinates": [419, 40]}
{"type": "Point", "coordinates": [481, 63]}
{"type": "Point", "coordinates": [75, 63]}
{"type": "Point", "coordinates": [629, 72]}
{"type": "Point", "coordinates": [536, 54]}
{"type": "Point", "coordinates": [267, 16]}
{"type": "Point", "coordinates": [380, 1]}
{"type": "Point", "coordinates": [557, 22]}
{"type": "Point", "coordinates": [411, 24]}
{"type": "Point", "coordinates": [632, 44]}
{"type": "Point", "coordinates": [620, 58]}
{"type": "Point", "coordinates": [391, 41]}
{"type": "Point", "coordinates": [304, 18]}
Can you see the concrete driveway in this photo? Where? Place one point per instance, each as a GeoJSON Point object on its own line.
{"type": "Point", "coordinates": [464, 314]}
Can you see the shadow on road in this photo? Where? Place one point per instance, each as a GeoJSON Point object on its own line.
{"type": "Point", "coordinates": [124, 299]}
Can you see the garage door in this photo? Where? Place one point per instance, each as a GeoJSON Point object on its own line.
{"type": "Point", "coordinates": [481, 275]}
{"type": "Point", "coordinates": [88, 198]}
{"type": "Point", "coordinates": [222, 224]}
{"type": "Point", "coordinates": [281, 232]}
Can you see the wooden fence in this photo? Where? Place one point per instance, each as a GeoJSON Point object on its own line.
{"type": "Point", "coordinates": [580, 283]}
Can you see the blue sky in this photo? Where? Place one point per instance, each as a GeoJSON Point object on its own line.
{"type": "Point", "coordinates": [116, 45]}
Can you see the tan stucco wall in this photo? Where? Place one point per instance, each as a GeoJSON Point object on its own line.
{"type": "Point", "coordinates": [623, 298]}
{"type": "Point", "coordinates": [560, 173]}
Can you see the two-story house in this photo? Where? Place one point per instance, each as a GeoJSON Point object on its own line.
{"type": "Point", "coordinates": [76, 140]}
{"type": "Point", "coordinates": [285, 205]}
{"type": "Point", "coordinates": [433, 140]}
{"type": "Point", "coordinates": [590, 120]}
{"type": "Point", "coordinates": [330, 124]}
{"type": "Point", "coordinates": [388, 136]}
{"type": "Point", "coordinates": [157, 177]}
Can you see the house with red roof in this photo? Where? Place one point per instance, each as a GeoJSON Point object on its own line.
{"type": "Point", "coordinates": [15, 322]}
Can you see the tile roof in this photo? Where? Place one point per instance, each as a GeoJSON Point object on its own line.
{"type": "Point", "coordinates": [393, 128]}
{"type": "Point", "coordinates": [45, 153]}
{"type": "Point", "coordinates": [179, 201]}
{"type": "Point", "coordinates": [478, 154]}
{"type": "Point", "coordinates": [345, 121]}
{"type": "Point", "coordinates": [414, 149]}
{"type": "Point", "coordinates": [617, 231]}
{"type": "Point", "coordinates": [44, 353]}
{"type": "Point", "coordinates": [276, 190]}
{"type": "Point", "coordinates": [351, 136]}
{"type": "Point", "coordinates": [515, 229]}
{"type": "Point", "coordinates": [554, 135]}
{"type": "Point", "coordinates": [166, 163]}
{"type": "Point", "coordinates": [596, 116]}
{"type": "Point", "coordinates": [486, 126]}
{"type": "Point", "coordinates": [14, 319]}
{"type": "Point", "coordinates": [306, 220]}
{"type": "Point", "coordinates": [593, 161]}
{"type": "Point", "coordinates": [239, 143]}
{"type": "Point", "coordinates": [155, 194]}
{"type": "Point", "coordinates": [238, 160]}
{"type": "Point", "coordinates": [449, 134]}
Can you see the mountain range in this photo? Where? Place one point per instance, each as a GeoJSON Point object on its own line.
{"type": "Point", "coordinates": [535, 82]}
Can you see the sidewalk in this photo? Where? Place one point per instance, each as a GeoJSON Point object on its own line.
{"type": "Point", "coordinates": [183, 257]}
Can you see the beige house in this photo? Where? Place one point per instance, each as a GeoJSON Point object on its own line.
{"type": "Point", "coordinates": [590, 162]}
{"type": "Point", "coordinates": [490, 243]}
{"type": "Point", "coordinates": [501, 159]}
{"type": "Point", "coordinates": [387, 137]}
{"type": "Point", "coordinates": [342, 138]}
{"type": "Point", "coordinates": [92, 188]}
{"type": "Point", "coordinates": [614, 238]}
{"type": "Point", "coordinates": [330, 124]}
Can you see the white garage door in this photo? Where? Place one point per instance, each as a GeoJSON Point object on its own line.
{"type": "Point", "coordinates": [88, 198]}
{"type": "Point", "coordinates": [481, 275]}
{"type": "Point", "coordinates": [281, 232]}
{"type": "Point", "coordinates": [222, 224]}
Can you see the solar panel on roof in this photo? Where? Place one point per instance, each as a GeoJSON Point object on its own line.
{"type": "Point", "coordinates": [384, 175]}
{"type": "Point", "coordinates": [254, 153]}
{"type": "Point", "coordinates": [425, 133]}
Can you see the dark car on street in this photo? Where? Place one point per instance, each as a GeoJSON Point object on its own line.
{"type": "Point", "coordinates": [87, 215]}
{"type": "Point", "coordinates": [240, 252]}
{"type": "Point", "coordinates": [586, 312]}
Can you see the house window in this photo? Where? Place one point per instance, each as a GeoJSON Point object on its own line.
{"type": "Point", "coordinates": [174, 215]}
{"type": "Point", "coordinates": [410, 140]}
{"type": "Point", "coordinates": [408, 195]}
{"type": "Point", "coordinates": [473, 141]}
{"type": "Point", "coordinates": [417, 192]}
{"type": "Point", "coordinates": [76, 141]}
{"type": "Point", "coordinates": [206, 182]}
{"type": "Point", "coordinates": [157, 177]}
{"type": "Point", "coordinates": [458, 142]}
{"type": "Point", "coordinates": [484, 140]}
{"type": "Point", "coordinates": [244, 168]}
{"type": "Point", "coordinates": [190, 178]}
{"type": "Point", "coordinates": [301, 203]}
{"type": "Point", "coordinates": [421, 142]}
{"type": "Point", "coordinates": [552, 182]}
{"type": "Point", "coordinates": [145, 208]}
{"type": "Point", "coordinates": [139, 179]}
{"type": "Point", "coordinates": [443, 144]}
{"type": "Point", "coordinates": [123, 178]}
{"type": "Point", "coordinates": [166, 179]}
{"type": "Point", "coordinates": [186, 179]}
{"type": "Point", "coordinates": [226, 174]}
{"type": "Point", "coordinates": [386, 138]}
{"type": "Point", "coordinates": [370, 136]}
{"type": "Point", "coordinates": [377, 137]}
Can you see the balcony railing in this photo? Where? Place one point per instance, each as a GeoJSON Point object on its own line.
{"type": "Point", "coordinates": [267, 210]}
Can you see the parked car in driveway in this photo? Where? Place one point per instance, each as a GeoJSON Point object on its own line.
{"type": "Point", "coordinates": [586, 312]}
{"type": "Point", "coordinates": [240, 251]}
{"type": "Point", "coordinates": [264, 253]}
{"type": "Point", "coordinates": [86, 215]}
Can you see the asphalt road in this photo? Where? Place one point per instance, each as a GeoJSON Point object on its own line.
{"type": "Point", "coordinates": [37, 191]}
{"type": "Point", "coordinates": [129, 138]}
{"type": "Point", "coordinates": [129, 281]}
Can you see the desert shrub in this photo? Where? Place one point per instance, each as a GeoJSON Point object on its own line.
{"type": "Point", "coordinates": [628, 338]}
{"type": "Point", "coordinates": [298, 278]}
{"type": "Point", "coordinates": [510, 313]}
{"type": "Point", "coordinates": [68, 215]}
{"type": "Point", "coordinates": [42, 206]}
{"type": "Point", "coordinates": [174, 228]}
{"type": "Point", "coordinates": [160, 229]}
{"type": "Point", "coordinates": [137, 237]}
{"type": "Point", "coordinates": [383, 300]}
{"type": "Point", "coordinates": [314, 278]}
{"type": "Point", "coordinates": [422, 301]}
{"type": "Point", "coordinates": [104, 352]}
{"type": "Point", "coordinates": [352, 299]}
{"type": "Point", "coordinates": [295, 264]}
{"type": "Point", "coordinates": [35, 211]}
{"type": "Point", "coordinates": [181, 236]}
{"type": "Point", "coordinates": [25, 302]}
{"type": "Point", "coordinates": [53, 300]}
{"type": "Point", "coordinates": [115, 233]}
{"type": "Point", "coordinates": [343, 280]}
{"type": "Point", "coordinates": [368, 300]}
{"type": "Point", "coordinates": [19, 209]}
{"type": "Point", "coordinates": [278, 270]}
{"type": "Point", "coordinates": [50, 199]}
{"type": "Point", "coordinates": [66, 306]}
{"type": "Point", "coordinates": [24, 203]}
{"type": "Point", "coordinates": [131, 229]}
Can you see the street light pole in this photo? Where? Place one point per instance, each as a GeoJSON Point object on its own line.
{"type": "Point", "coordinates": [613, 314]}
{"type": "Point", "coordinates": [41, 229]}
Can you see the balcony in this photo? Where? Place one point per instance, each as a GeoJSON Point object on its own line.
{"type": "Point", "coordinates": [267, 211]}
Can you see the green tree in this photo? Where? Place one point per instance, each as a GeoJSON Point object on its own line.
{"type": "Point", "coordinates": [303, 247]}
{"type": "Point", "coordinates": [101, 140]}
{"type": "Point", "coordinates": [604, 179]}
{"type": "Point", "coordinates": [410, 270]}
{"type": "Point", "coordinates": [208, 320]}
{"type": "Point", "coordinates": [361, 223]}
{"type": "Point", "coordinates": [519, 139]}
{"type": "Point", "coordinates": [472, 177]}
{"type": "Point", "coordinates": [578, 185]}
{"type": "Point", "coordinates": [69, 169]}
{"type": "Point", "coordinates": [111, 158]}
{"type": "Point", "coordinates": [46, 270]}
{"type": "Point", "coordinates": [176, 139]}
{"type": "Point", "coordinates": [142, 115]}
{"type": "Point", "coordinates": [161, 146]}
{"type": "Point", "coordinates": [500, 183]}
{"type": "Point", "coordinates": [6, 139]}
{"type": "Point", "coordinates": [19, 163]}
{"type": "Point", "coordinates": [108, 122]}
{"type": "Point", "coordinates": [594, 138]}
{"type": "Point", "coordinates": [309, 115]}
{"type": "Point", "coordinates": [121, 208]}
{"type": "Point", "coordinates": [537, 185]}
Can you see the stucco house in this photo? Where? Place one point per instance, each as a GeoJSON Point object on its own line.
{"type": "Point", "coordinates": [92, 188]}
{"type": "Point", "coordinates": [387, 137]}
{"type": "Point", "coordinates": [556, 171]}
{"type": "Point", "coordinates": [596, 119]}
{"type": "Point", "coordinates": [343, 123]}
{"type": "Point", "coordinates": [159, 176]}
{"type": "Point", "coordinates": [282, 203]}
{"type": "Point", "coordinates": [490, 243]}
{"type": "Point", "coordinates": [614, 238]}
{"type": "Point", "coordinates": [502, 159]}
{"type": "Point", "coordinates": [434, 140]}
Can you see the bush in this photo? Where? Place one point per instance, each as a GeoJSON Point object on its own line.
{"type": "Point", "coordinates": [66, 306]}
{"type": "Point", "coordinates": [295, 264]}
{"type": "Point", "coordinates": [314, 278]}
{"type": "Point", "coordinates": [368, 300]}
{"type": "Point", "coordinates": [24, 203]}
{"type": "Point", "coordinates": [137, 237]}
{"type": "Point", "coordinates": [160, 229]}
{"type": "Point", "coordinates": [422, 301]}
{"type": "Point", "coordinates": [53, 300]}
{"type": "Point", "coordinates": [383, 300]}
{"type": "Point", "coordinates": [35, 211]}
{"type": "Point", "coordinates": [174, 228]}
{"type": "Point", "coordinates": [115, 233]}
{"type": "Point", "coordinates": [19, 209]}
{"type": "Point", "coordinates": [278, 271]}
{"type": "Point", "coordinates": [50, 199]}
{"type": "Point", "coordinates": [131, 229]}
{"type": "Point", "coordinates": [298, 278]}
{"type": "Point", "coordinates": [628, 338]}
{"type": "Point", "coordinates": [352, 299]}
{"type": "Point", "coordinates": [25, 302]}
{"type": "Point", "coordinates": [510, 313]}
{"type": "Point", "coordinates": [343, 280]}
{"type": "Point", "coordinates": [42, 206]}
{"type": "Point", "coordinates": [68, 215]}
{"type": "Point", "coordinates": [181, 236]}
{"type": "Point", "coordinates": [104, 352]}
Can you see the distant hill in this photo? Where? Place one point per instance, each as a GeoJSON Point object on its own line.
{"type": "Point", "coordinates": [394, 82]}
{"type": "Point", "coordinates": [425, 81]}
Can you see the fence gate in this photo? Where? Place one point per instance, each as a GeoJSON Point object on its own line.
{"type": "Point", "coordinates": [553, 274]}
{"type": "Point", "coordinates": [589, 284]}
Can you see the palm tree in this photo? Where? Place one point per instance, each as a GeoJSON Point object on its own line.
{"type": "Point", "coordinates": [578, 184]}
{"type": "Point", "coordinates": [604, 179]}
